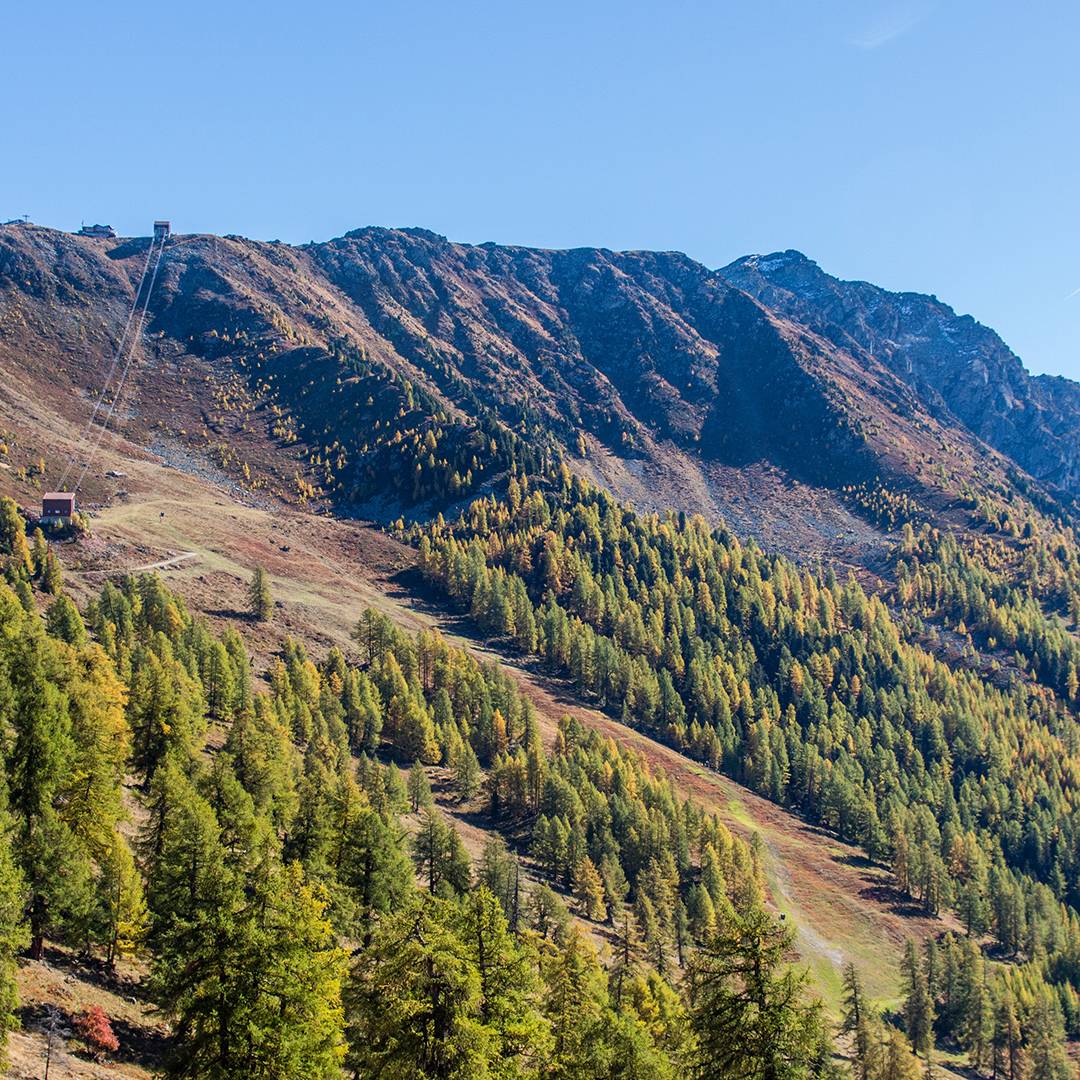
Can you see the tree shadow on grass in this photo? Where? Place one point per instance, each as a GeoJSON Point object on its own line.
{"type": "Point", "coordinates": [895, 900]}
{"type": "Point", "coordinates": [140, 1044]}
{"type": "Point", "coordinates": [231, 613]}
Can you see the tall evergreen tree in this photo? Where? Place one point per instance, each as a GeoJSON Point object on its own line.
{"type": "Point", "coordinates": [260, 598]}
{"type": "Point", "coordinates": [374, 870]}
{"type": "Point", "coordinates": [52, 578]}
{"type": "Point", "coordinates": [419, 787]}
{"type": "Point", "coordinates": [41, 756]}
{"type": "Point", "coordinates": [13, 537]}
{"type": "Point", "coordinates": [13, 934]}
{"type": "Point", "coordinates": [245, 963]}
{"type": "Point", "coordinates": [918, 1006]}
{"type": "Point", "coordinates": [413, 1000]}
{"type": "Point", "coordinates": [1010, 1059]}
{"type": "Point", "coordinates": [751, 1013]}
{"type": "Point", "coordinates": [291, 1018]}
{"type": "Point", "coordinates": [976, 1022]}
{"type": "Point", "coordinates": [122, 917]}
{"type": "Point", "coordinates": [63, 621]}
{"type": "Point", "coordinates": [439, 856]}
{"type": "Point", "coordinates": [897, 1062]}
{"type": "Point", "coordinates": [856, 1021]}
{"type": "Point", "coordinates": [1046, 1053]}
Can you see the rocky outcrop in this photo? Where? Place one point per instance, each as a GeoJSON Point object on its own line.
{"type": "Point", "coordinates": [960, 368]}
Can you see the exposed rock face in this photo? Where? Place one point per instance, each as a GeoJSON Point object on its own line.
{"type": "Point", "coordinates": [683, 382]}
{"type": "Point", "coordinates": [631, 347]}
{"type": "Point", "coordinates": [957, 365]}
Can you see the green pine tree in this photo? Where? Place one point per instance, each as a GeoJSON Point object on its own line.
{"type": "Point", "coordinates": [122, 916]}
{"type": "Point", "coordinates": [856, 1021]}
{"type": "Point", "coordinates": [14, 934]}
{"type": "Point", "coordinates": [13, 538]}
{"type": "Point", "coordinates": [440, 858]}
{"type": "Point", "coordinates": [918, 1006]}
{"type": "Point", "coordinates": [413, 1000]}
{"type": "Point", "coordinates": [52, 578]}
{"type": "Point", "coordinates": [41, 761]}
{"type": "Point", "coordinates": [752, 1016]}
{"type": "Point", "coordinates": [63, 621]}
{"type": "Point", "coordinates": [374, 869]}
{"type": "Point", "coordinates": [1046, 1034]}
{"type": "Point", "coordinates": [259, 596]}
{"type": "Point", "coordinates": [419, 787]}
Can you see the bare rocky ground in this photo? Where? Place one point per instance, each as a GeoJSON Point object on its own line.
{"type": "Point", "coordinates": [758, 502]}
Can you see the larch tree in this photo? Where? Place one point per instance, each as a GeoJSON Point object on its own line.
{"type": "Point", "coordinates": [219, 682]}
{"type": "Point", "coordinates": [260, 599]}
{"type": "Point", "coordinates": [13, 934]}
{"type": "Point", "coordinates": [52, 577]}
{"type": "Point", "coordinates": [589, 890]}
{"type": "Point", "coordinates": [506, 965]}
{"type": "Point", "coordinates": [63, 621]}
{"type": "Point", "coordinates": [419, 787]}
{"type": "Point", "coordinates": [13, 537]}
{"type": "Point", "coordinates": [374, 870]}
{"type": "Point", "coordinates": [122, 915]}
{"type": "Point", "coordinates": [752, 1014]}
{"type": "Point", "coordinates": [897, 1062]}
{"type": "Point", "coordinates": [413, 1000]}
{"type": "Point", "coordinates": [918, 1005]}
{"type": "Point", "coordinates": [467, 774]}
{"type": "Point", "coordinates": [1046, 1052]}
{"type": "Point", "coordinates": [439, 855]}
{"type": "Point", "coordinates": [41, 758]}
{"type": "Point", "coordinates": [288, 994]}
{"type": "Point", "coordinates": [1009, 1055]}
{"type": "Point", "coordinates": [856, 1021]}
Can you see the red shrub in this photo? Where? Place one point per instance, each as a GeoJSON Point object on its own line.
{"type": "Point", "coordinates": [94, 1029]}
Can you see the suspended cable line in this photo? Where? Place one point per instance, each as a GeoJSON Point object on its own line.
{"type": "Point", "coordinates": [112, 368]}
{"type": "Point", "coordinates": [127, 365]}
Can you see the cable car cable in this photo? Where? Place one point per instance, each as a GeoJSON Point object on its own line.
{"type": "Point", "coordinates": [127, 366]}
{"type": "Point", "coordinates": [112, 369]}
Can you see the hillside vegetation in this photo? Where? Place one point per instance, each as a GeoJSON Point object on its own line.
{"type": "Point", "coordinates": [296, 844]}
{"type": "Point", "coordinates": [292, 926]}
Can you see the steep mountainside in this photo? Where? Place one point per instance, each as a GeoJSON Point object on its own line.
{"type": "Point", "coordinates": [959, 367]}
{"type": "Point", "coordinates": [397, 366]}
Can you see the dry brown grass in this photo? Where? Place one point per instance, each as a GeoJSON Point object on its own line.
{"type": "Point", "coordinates": [53, 992]}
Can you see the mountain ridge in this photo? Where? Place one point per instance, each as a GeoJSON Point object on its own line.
{"type": "Point", "coordinates": [435, 366]}
{"type": "Point", "coordinates": [947, 357]}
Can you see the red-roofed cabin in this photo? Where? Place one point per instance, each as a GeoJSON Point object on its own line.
{"type": "Point", "coordinates": [57, 507]}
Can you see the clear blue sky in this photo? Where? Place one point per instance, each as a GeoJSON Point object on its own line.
{"type": "Point", "coordinates": [922, 145]}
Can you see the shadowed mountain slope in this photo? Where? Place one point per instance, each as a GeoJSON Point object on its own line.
{"type": "Point", "coordinates": [397, 366]}
{"type": "Point", "coordinates": [960, 368]}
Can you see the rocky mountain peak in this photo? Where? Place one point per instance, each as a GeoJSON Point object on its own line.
{"type": "Point", "coordinates": [961, 369]}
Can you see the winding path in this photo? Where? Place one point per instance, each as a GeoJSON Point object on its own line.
{"type": "Point", "coordinates": [164, 564]}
